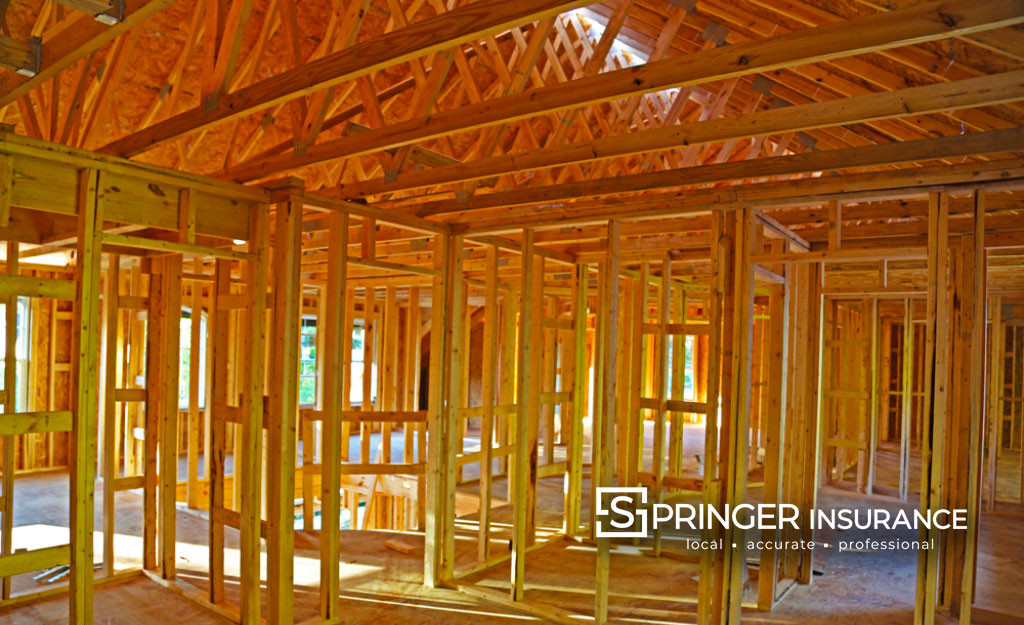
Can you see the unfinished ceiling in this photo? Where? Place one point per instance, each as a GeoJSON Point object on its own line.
{"type": "Point", "coordinates": [494, 116]}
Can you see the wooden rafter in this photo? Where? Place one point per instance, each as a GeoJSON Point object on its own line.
{"type": "Point", "coordinates": [918, 100]}
{"type": "Point", "coordinates": [826, 42]}
{"type": "Point", "coordinates": [458, 26]}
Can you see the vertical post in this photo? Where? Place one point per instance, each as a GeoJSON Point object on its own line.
{"type": "Point", "coordinates": [10, 406]}
{"type": "Point", "coordinates": [995, 392]}
{"type": "Point", "coordinates": [623, 410]}
{"type": "Point", "coordinates": [369, 354]}
{"type": "Point", "coordinates": [208, 378]}
{"type": "Point", "coordinates": [775, 415]}
{"type": "Point", "coordinates": [597, 409]}
{"type": "Point", "coordinates": [907, 404]}
{"type": "Point", "coordinates": [507, 387]}
{"type": "Point", "coordinates": [711, 560]}
{"type": "Point", "coordinates": [309, 429]}
{"type": "Point", "coordinates": [604, 427]}
{"type": "Point", "coordinates": [532, 332]}
{"type": "Point", "coordinates": [6, 180]}
{"type": "Point", "coordinates": [335, 327]}
{"type": "Point", "coordinates": [661, 388]}
{"type": "Point", "coordinates": [835, 225]}
{"type": "Point", "coordinates": [220, 330]}
{"type": "Point", "coordinates": [192, 487]}
{"type": "Point", "coordinates": [831, 407]}
{"type": "Point", "coordinates": [388, 376]}
{"type": "Point", "coordinates": [634, 422]}
{"type": "Point", "coordinates": [248, 463]}
{"type": "Point", "coordinates": [151, 426]}
{"type": "Point", "coordinates": [438, 514]}
{"type": "Point", "coordinates": [874, 397]}
{"type": "Point", "coordinates": [934, 415]}
{"type": "Point", "coordinates": [976, 408]}
{"type": "Point", "coordinates": [284, 403]}
{"type": "Point", "coordinates": [162, 357]}
{"type": "Point", "coordinates": [677, 383]}
{"type": "Point", "coordinates": [739, 414]}
{"type": "Point", "coordinates": [795, 460]}
{"type": "Point", "coordinates": [813, 417]}
{"type": "Point", "coordinates": [84, 393]}
{"type": "Point", "coordinates": [524, 455]}
{"type": "Point", "coordinates": [489, 358]}
{"type": "Point", "coordinates": [110, 359]}
{"type": "Point", "coordinates": [412, 378]}
{"type": "Point", "coordinates": [574, 452]}
{"type": "Point", "coordinates": [456, 342]}
{"type": "Point", "coordinates": [165, 387]}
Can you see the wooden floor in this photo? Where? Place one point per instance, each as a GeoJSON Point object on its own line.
{"type": "Point", "coordinates": [1000, 554]}
{"type": "Point", "coordinates": [376, 581]}
{"type": "Point", "coordinates": [137, 602]}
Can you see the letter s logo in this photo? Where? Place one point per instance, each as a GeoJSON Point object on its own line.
{"type": "Point", "coordinates": [624, 512]}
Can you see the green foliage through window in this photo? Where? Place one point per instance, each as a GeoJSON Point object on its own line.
{"type": "Point", "coordinates": [21, 351]}
{"type": "Point", "coordinates": [307, 362]}
{"type": "Point", "coordinates": [185, 353]}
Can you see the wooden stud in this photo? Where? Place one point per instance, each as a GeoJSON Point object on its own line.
{"type": "Point", "coordinates": [525, 458]}
{"type": "Point", "coordinates": [875, 398]}
{"type": "Point", "coordinates": [574, 451]}
{"type": "Point", "coordinates": [488, 364]}
{"type": "Point", "coordinates": [336, 326]}
{"type": "Point", "coordinates": [248, 466]}
{"type": "Point", "coordinates": [835, 225]}
{"type": "Point", "coordinates": [110, 357]}
{"type": "Point", "coordinates": [660, 380]}
{"type": "Point", "coordinates": [439, 470]}
{"type": "Point", "coordinates": [711, 562]}
{"type": "Point", "coordinates": [220, 330]}
{"type": "Point", "coordinates": [976, 408]}
{"type": "Point", "coordinates": [907, 404]}
{"type": "Point", "coordinates": [736, 478]}
{"type": "Point", "coordinates": [283, 406]}
{"type": "Point", "coordinates": [775, 442]}
{"type": "Point", "coordinates": [995, 393]}
{"type": "Point", "coordinates": [194, 426]}
{"type": "Point", "coordinates": [936, 354]}
{"type": "Point", "coordinates": [605, 421]}
{"type": "Point", "coordinates": [10, 407]}
{"type": "Point", "coordinates": [85, 387]}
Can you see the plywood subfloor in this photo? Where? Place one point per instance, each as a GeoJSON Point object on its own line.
{"type": "Point", "coordinates": [136, 602]}
{"type": "Point", "coordinates": [381, 586]}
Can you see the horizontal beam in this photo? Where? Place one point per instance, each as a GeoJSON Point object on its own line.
{"type": "Point", "coordinates": [159, 245]}
{"type": "Point", "coordinates": [981, 91]}
{"type": "Point", "coordinates": [456, 27]}
{"type": "Point", "coordinates": [370, 416]}
{"type": "Point", "coordinates": [375, 468]}
{"type": "Point", "coordinates": [14, 423]}
{"type": "Point", "coordinates": [889, 184]}
{"type": "Point", "coordinates": [678, 329]}
{"type": "Point", "coordinates": [994, 141]}
{"type": "Point", "coordinates": [516, 246]}
{"type": "Point", "coordinates": [34, 560]}
{"type": "Point", "coordinates": [393, 267]}
{"type": "Point", "coordinates": [847, 255]}
{"type": "Point", "coordinates": [913, 25]}
{"type": "Point", "coordinates": [31, 286]}
{"type": "Point", "coordinates": [395, 218]}
{"type": "Point", "coordinates": [126, 395]}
